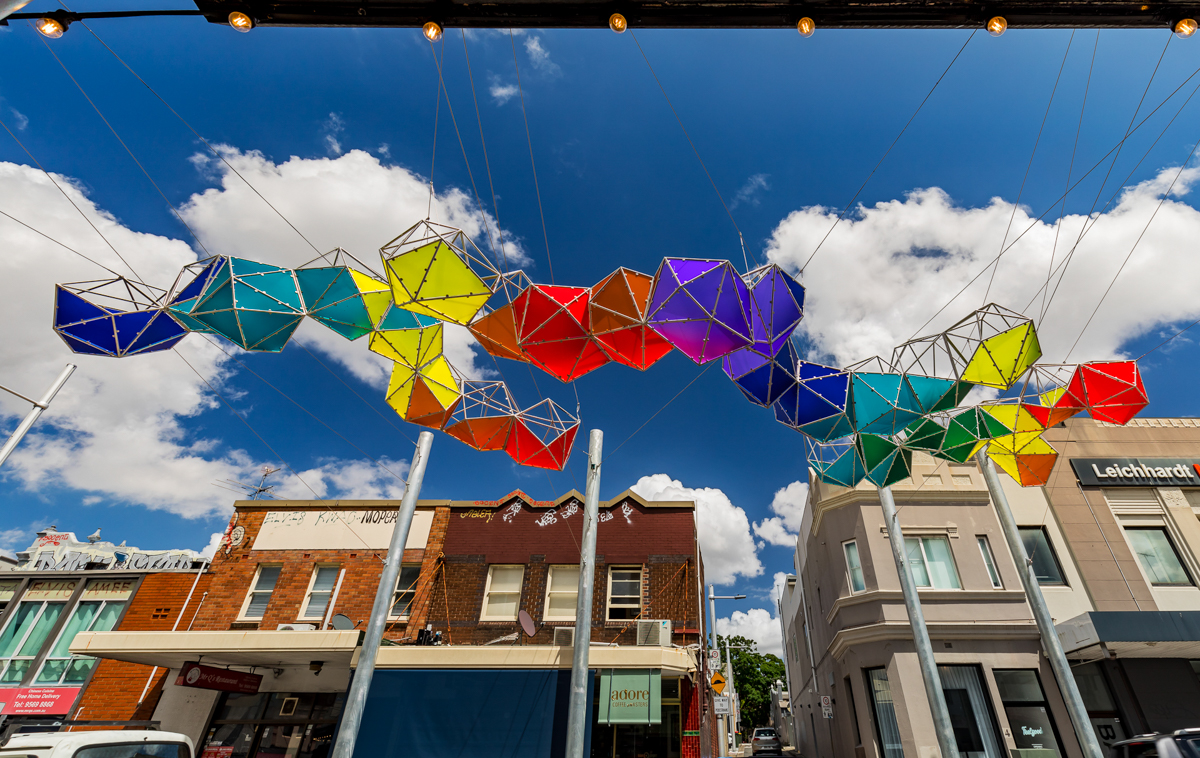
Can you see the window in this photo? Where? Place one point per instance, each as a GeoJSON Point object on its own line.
{"type": "Point", "coordinates": [1037, 547]}
{"type": "Point", "coordinates": [931, 562]}
{"type": "Point", "coordinates": [23, 637]}
{"type": "Point", "coordinates": [990, 562]}
{"type": "Point", "coordinates": [886, 726]}
{"type": "Point", "coordinates": [1025, 705]}
{"type": "Point", "coordinates": [139, 749]}
{"type": "Point", "coordinates": [854, 566]}
{"type": "Point", "coordinates": [320, 590]}
{"type": "Point", "coordinates": [98, 610]}
{"type": "Point", "coordinates": [296, 724]}
{"type": "Point", "coordinates": [1158, 556]}
{"type": "Point", "coordinates": [260, 592]}
{"type": "Point", "coordinates": [562, 591]}
{"type": "Point", "coordinates": [970, 712]}
{"type": "Point", "coordinates": [502, 596]}
{"type": "Point", "coordinates": [8, 588]}
{"type": "Point", "coordinates": [624, 593]}
{"type": "Point", "coordinates": [406, 591]}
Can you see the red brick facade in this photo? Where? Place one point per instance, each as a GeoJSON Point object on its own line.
{"type": "Point", "coordinates": [116, 687]}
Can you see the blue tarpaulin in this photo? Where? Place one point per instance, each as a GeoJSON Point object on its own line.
{"type": "Point", "coordinates": [419, 713]}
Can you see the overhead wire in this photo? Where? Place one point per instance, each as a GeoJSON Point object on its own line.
{"type": "Point", "coordinates": [529, 140]}
{"type": "Point", "coordinates": [437, 109]}
{"type": "Point", "coordinates": [1029, 165]}
{"type": "Point", "coordinates": [486, 162]}
{"type": "Point", "coordinates": [366, 402]}
{"type": "Point", "coordinates": [660, 410]}
{"type": "Point", "coordinates": [888, 151]}
{"type": "Point", "coordinates": [741, 239]}
{"type": "Point", "coordinates": [57, 242]}
{"type": "Point", "coordinates": [73, 205]}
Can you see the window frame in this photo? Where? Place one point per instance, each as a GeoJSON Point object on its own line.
{"type": "Point", "coordinates": [862, 577]}
{"type": "Point", "coordinates": [989, 561]}
{"type": "Point", "coordinates": [487, 592]}
{"type": "Point", "coordinates": [1191, 581]}
{"type": "Point", "coordinates": [6, 663]}
{"type": "Point", "coordinates": [396, 591]}
{"type": "Point", "coordinates": [1053, 554]}
{"type": "Point", "coordinates": [250, 592]}
{"type": "Point", "coordinates": [546, 615]}
{"type": "Point", "coordinates": [920, 538]}
{"type": "Point", "coordinates": [70, 657]}
{"type": "Point", "coordinates": [312, 581]}
{"type": "Point", "coordinates": [608, 604]}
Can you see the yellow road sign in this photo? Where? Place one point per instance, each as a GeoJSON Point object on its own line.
{"type": "Point", "coordinates": [718, 682]}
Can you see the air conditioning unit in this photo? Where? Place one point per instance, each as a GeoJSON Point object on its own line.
{"type": "Point", "coordinates": [564, 636]}
{"type": "Point", "coordinates": [656, 633]}
{"type": "Point", "coordinates": [296, 628]}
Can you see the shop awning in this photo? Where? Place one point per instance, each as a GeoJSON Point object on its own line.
{"type": "Point", "coordinates": [1131, 634]}
{"type": "Point", "coordinates": [672, 660]}
{"type": "Point", "coordinates": [232, 648]}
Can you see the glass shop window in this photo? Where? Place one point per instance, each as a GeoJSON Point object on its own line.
{"type": "Point", "coordinates": [1159, 558]}
{"type": "Point", "coordinates": [8, 588]}
{"type": "Point", "coordinates": [98, 610]}
{"type": "Point", "coordinates": [887, 729]}
{"type": "Point", "coordinates": [970, 712]}
{"type": "Point", "coordinates": [274, 725]}
{"type": "Point", "coordinates": [1045, 563]}
{"type": "Point", "coordinates": [854, 567]}
{"type": "Point", "coordinates": [932, 562]}
{"type": "Point", "coordinates": [1029, 717]}
{"type": "Point", "coordinates": [28, 627]}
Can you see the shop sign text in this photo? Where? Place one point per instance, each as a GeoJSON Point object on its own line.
{"type": "Point", "coordinates": [210, 678]}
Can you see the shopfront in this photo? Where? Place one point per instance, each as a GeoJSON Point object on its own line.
{"type": "Point", "coordinates": [655, 730]}
{"type": "Point", "coordinates": [273, 725]}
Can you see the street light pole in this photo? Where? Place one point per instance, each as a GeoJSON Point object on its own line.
{"type": "Point", "coordinates": [1041, 613]}
{"type": "Point", "coordinates": [577, 712]}
{"type": "Point", "coordinates": [32, 416]}
{"type": "Point", "coordinates": [722, 749]}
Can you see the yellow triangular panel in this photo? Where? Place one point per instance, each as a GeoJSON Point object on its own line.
{"type": "Point", "coordinates": [999, 360]}
{"type": "Point", "coordinates": [400, 387]}
{"type": "Point", "coordinates": [1050, 397]}
{"type": "Point", "coordinates": [1014, 417]}
{"type": "Point", "coordinates": [412, 347]}
{"type": "Point", "coordinates": [440, 380]}
{"type": "Point", "coordinates": [434, 281]}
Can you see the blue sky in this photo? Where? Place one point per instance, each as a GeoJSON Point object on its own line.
{"type": "Point", "coordinates": [786, 126]}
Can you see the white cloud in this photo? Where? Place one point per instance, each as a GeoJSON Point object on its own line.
{"type": "Point", "coordinates": [757, 624]}
{"type": "Point", "coordinates": [214, 541]}
{"type": "Point", "coordinates": [20, 120]}
{"type": "Point", "coordinates": [748, 192]}
{"type": "Point", "coordinates": [501, 92]}
{"type": "Point", "coordinates": [726, 546]}
{"type": "Point", "coordinates": [788, 507]}
{"type": "Point", "coordinates": [777, 585]}
{"type": "Point", "coordinates": [540, 56]}
{"type": "Point", "coordinates": [907, 257]}
{"type": "Point", "coordinates": [333, 126]}
{"type": "Point", "coordinates": [15, 538]}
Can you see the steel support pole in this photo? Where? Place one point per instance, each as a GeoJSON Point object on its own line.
{"type": "Point", "coordinates": [32, 416]}
{"type": "Point", "coordinates": [916, 618]}
{"type": "Point", "coordinates": [356, 698]}
{"type": "Point", "coordinates": [723, 731]}
{"type": "Point", "coordinates": [1041, 613]}
{"type": "Point", "coordinates": [581, 681]}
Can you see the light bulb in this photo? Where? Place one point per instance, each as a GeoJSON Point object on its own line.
{"type": "Point", "coordinates": [806, 26]}
{"type": "Point", "coordinates": [241, 21]}
{"type": "Point", "coordinates": [50, 27]}
{"type": "Point", "coordinates": [997, 25]}
{"type": "Point", "coordinates": [1185, 28]}
{"type": "Point", "coordinates": [432, 31]}
{"type": "Point", "coordinates": [617, 23]}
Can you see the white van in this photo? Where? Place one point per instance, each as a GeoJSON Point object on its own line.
{"type": "Point", "coordinates": [130, 743]}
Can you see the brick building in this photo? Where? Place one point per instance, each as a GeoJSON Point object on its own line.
{"type": "Point", "coordinates": [62, 586]}
{"type": "Point", "coordinates": [294, 581]}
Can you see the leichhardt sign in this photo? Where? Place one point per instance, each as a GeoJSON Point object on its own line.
{"type": "Point", "coordinates": [1137, 472]}
{"type": "Point", "coordinates": [630, 696]}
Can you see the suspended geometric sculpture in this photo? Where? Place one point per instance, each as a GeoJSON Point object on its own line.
{"type": "Point", "coordinates": [776, 307]}
{"type": "Point", "coordinates": [411, 347]}
{"type": "Point", "coordinates": [436, 270]}
{"type": "Point", "coordinates": [702, 307]}
{"type": "Point", "coordinates": [496, 331]}
{"type": "Point", "coordinates": [762, 379]}
{"type": "Point", "coordinates": [542, 436]}
{"type": "Point", "coordinates": [114, 317]}
{"type": "Point", "coordinates": [425, 396]}
{"type": "Point", "coordinates": [188, 287]}
{"type": "Point", "coordinates": [484, 417]}
{"type": "Point", "coordinates": [881, 403]}
{"type": "Point", "coordinates": [816, 404]}
{"type": "Point", "coordinates": [1016, 417]}
{"type": "Point", "coordinates": [885, 462]}
{"type": "Point", "coordinates": [1111, 391]}
{"type": "Point", "coordinates": [553, 330]}
{"type": "Point", "coordinates": [1024, 456]}
{"type": "Point", "coordinates": [948, 354]}
{"type": "Point", "coordinates": [254, 305]}
{"type": "Point", "coordinates": [967, 432]}
{"type": "Point", "coordinates": [934, 394]}
{"type": "Point", "coordinates": [1000, 360]}
{"type": "Point", "coordinates": [618, 310]}
{"type": "Point", "coordinates": [336, 295]}
{"type": "Point", "coordinates": [837, 462]}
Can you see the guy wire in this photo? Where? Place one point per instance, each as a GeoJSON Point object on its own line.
{"type": "Point", "coordinates": [660, 410]}
{"type": "Point", "coordinates": [486, 163]}
{"type": "Point", "coordinates": [529, 140]}
{"type": "Point", "coordinates": [60, 244]}
{"type": "Point", "coordinates": [437, 109]}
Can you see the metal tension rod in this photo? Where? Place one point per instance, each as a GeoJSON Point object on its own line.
{"type": "Point", "coordinates": [61, 15]}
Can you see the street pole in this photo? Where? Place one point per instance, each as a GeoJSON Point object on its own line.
{"type": "Point", "coordinates": [32, 416]}
{"type": "Point", "coordinates": [356, 699]}
{"type": "Point", "coordinates": [722, 734]}
{"type": "Point", "coordinates": [725, 725]}
{"type": "Point", "coordinates": [916, 619]}
{"type": "Point", "coordinates": [1041, 613]}
{"type": "Point", "coordinates": [577, 711]}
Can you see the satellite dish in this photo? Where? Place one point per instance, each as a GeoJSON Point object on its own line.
{"type": "Point", "coordinates": [527, 623]}
{"type": "Point", "coordinates": [342, 623]}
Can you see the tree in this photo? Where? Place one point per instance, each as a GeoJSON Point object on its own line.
{"type": "Point", "coordinates": [753, 675]}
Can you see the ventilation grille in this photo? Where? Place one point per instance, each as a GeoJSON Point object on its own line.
{"type": "Point", "coordinates": [564, 636]}
{"type": "Point", "coordinates": [296, 627]}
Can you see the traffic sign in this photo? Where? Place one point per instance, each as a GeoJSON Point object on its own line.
{"type": "Point", "coordinates": [826, 701]}
{"type": "Point", "coordinates": [714, 659]}
{"type": "Point", "coordinates": [718, 682]}
{"type": "Point", "coordinates": [720, 706]}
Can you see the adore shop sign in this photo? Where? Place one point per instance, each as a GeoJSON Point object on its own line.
{"type": "Point", "coordinates": [630, 696]}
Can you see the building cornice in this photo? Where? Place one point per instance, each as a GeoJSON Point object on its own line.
{"type": "Point", "coordinates": [903, 497]}
{"type": "Point", "coordinates": [512, 497]}
{"type": "Point", "coordinates": [896, 596]}
{"type": "Point", "coordinates": [847, 639]}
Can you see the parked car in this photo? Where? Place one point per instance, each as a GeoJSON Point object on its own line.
{"type": "Point", "coordinates": [1184, 743]}
{"type": "Point", "coordinates": [133, 743]}
{"type": "Point", "coordinates": [765, 740]}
